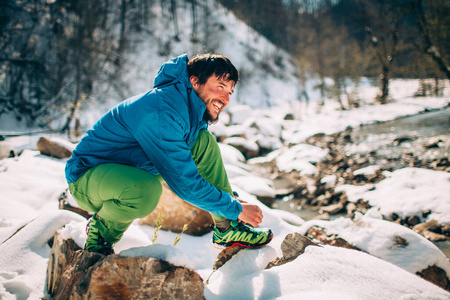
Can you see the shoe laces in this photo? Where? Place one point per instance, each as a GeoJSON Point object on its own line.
{"type": "Point", "coordinates": [245, 228]}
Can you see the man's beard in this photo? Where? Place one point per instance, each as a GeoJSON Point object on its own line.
{"type": "Point", "coordinates": [209, 118]}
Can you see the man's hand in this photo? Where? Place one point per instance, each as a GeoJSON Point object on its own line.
{"type": "Point", "coordinates": [251, 214]}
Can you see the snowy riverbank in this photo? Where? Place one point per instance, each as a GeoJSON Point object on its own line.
{"type": "Point", "coordinates": [31, 183]}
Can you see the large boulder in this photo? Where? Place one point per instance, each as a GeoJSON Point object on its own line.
{"type": "Point", "coordinates": [76, 274]}
{"type": "Point", "coordinates": [177, 213]}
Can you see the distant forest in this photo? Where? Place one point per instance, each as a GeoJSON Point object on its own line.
{"type": "Point", "coordinates": [52, 52]}
{"type": "Point", "coordinates": [352, 38]}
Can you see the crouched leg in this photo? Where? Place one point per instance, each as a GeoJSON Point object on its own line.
{"type": "Point", "coordinates": [118, 194]}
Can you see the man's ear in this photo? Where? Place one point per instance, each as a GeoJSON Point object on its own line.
{"type": "Point", "coordinates": [194, 80]}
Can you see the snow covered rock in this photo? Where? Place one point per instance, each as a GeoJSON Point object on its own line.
{"type": "Point", "coordinates": [240, 113]}
{"type": "Point", "coordinates": [267, 144]}
{"type": "Point", "coordinates": [248, 148]}
{"type": "Point", "coordinates": [241, 130]}
{"type": "Point", "coordinates": [55, 147]}
{"type": "Point", "coordinates": [293, 245]}
{"type": "Point", "coordinates": [301, 158]}
{"type": "Point", "coordinates": [177, 213]}
{"type": "Point", "coordinates": [219, 130]}
{"type": "Point", "coordinates": [76, 274]}
{"type": "Point", "coordinates": [401, 246]}
{"type": "Point", "coordinates": [422, 190]}
{"type": "Point", "coordinates": [268, 127]}
{"type": "Point", "coordinates": [260, 187]}
{"type": "Point", "coordinates": [231, 155]}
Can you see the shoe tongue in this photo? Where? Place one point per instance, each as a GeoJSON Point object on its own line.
{"type": "Point", "coordinates": [234, 223]}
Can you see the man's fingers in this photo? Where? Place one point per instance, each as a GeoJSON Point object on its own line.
{"type": "Point", "coordinates": [251, 214]}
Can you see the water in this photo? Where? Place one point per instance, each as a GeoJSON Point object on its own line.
{"type": "Point", "coordinates": [407, 135]}
{"type": "Point", "coordinates": [291, 205]}
{"type": "Point", "coordinates": [414, 132]}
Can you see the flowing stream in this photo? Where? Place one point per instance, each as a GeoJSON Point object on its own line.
{"type": "Point", "coordinates": [410, 134]}
{"type": "Point", "coordinates": [392, 140]}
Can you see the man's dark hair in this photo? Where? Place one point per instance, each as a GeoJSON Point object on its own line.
{"type": "Point", "coordinates": [205, 65]}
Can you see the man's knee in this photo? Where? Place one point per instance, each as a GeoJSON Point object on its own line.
{"type": "Point", "coordinates": [206, 137]}
{"type": "Point", "coordinates": [206, 142]}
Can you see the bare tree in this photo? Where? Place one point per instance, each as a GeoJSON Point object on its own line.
{"type": "Point", "coordinates": [123, 30]}
{"type": "Point", "coordinates": [381, 21]}
{"type": "Point", "coordinates": [433, 24]}
{"type": "Point", "coordinates": [26, 84]}
{"type": "Point", "coordinates": [52, 52]}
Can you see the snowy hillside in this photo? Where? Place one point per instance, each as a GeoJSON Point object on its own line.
{"type": "Point", "coordinates": [267, 74]}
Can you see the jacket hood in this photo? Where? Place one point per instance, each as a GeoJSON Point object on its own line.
{"type": "Point", "coordinates": [172, 72]}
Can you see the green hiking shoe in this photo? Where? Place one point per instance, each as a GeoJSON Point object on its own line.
{"type": "Point", "coordinates": [95, 241]}
{"type": "Point", "coordinates": [243, 235]}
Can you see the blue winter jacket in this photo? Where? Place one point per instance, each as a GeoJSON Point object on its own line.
{"type": "Point", "coordinates": [154, 132]}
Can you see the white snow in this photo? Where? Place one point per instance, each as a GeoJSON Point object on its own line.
{"type": "Point", "coordinates": [319, 273]}
{"type": "Point", "coordinates": [386, 240]}
{"type": "Point", "coordinates": [254, 185]}
{"type": "Point", "coordinates": [300, 158]}
{"type": "Point", "coordinates": [329, 180]}
{"type": "Point", "coordinates": [415, 185]}
{"type": "Point", "coordinates": [31, 184]}
{"type": "Point", "coordinates": [370, 170]}
{"type": "Point", "coordinates": [231, 155]}
{"type": "Point", "coordinates": [238, 141]}
{"type": "Point", "coordinates": [239, 114]}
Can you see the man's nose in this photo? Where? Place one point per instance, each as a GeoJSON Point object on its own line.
{"type": "Point", "coordinates": [225, 98]}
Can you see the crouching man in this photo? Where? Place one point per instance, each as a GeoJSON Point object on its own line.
{"type": "Point", "coordinates": [117, 168]}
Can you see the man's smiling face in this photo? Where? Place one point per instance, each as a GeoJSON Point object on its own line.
{"type": "Point", "coordinates": [215, 93]}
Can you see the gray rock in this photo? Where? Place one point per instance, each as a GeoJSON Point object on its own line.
{"type": "Point", "coordinates": [293, 245]}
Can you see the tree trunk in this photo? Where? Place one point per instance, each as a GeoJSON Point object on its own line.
{"type": "Point", "coordinates": [122, 40]}
{"type": "Point", "coordinates": [338, 87]}
{"type": "Point", "coordinates": [437, 91]}
{"type": "Point", "coordinates": [75, 104]}
{"type": "Point", "coordinates": [194, 20]}
{"type": "Point", "coordinates": [73, 110]}
{"type": "Point", "coordinates": [173, 8]}
{"type": "Point", "coordinates": [385, 76]}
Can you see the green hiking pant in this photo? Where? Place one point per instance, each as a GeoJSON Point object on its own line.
{"type": "Point", "coordinates": [119, 194]}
